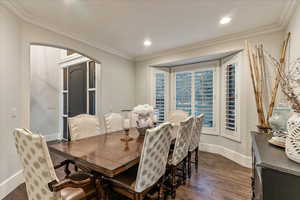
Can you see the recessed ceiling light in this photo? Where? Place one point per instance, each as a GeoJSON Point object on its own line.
{"type": "Point", "coordinates": [225, 20]}
{"type": "Point", "coordinates": [147, 43]}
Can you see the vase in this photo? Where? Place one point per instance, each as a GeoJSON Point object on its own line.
{"type": "Point", "coordinates": [292, 145]}
{"type": "Point", "coordinates": [278, 121]}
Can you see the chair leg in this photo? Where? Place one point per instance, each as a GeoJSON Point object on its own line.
{"type": "Point", "coordinates": [196, 159]}
{"type": "Point", "coordinates": [190, 164]}
{"type": "Point", "coordinates": [184, 171]}
{"type": "Point", "coordinates": [173, 184]}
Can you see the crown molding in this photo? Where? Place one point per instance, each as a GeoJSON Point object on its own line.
{"type": "Point", "coordinates": [284, 18]}
{"type": "Point", "coordinates": [278, 26]}
{"type": "Point", "coordinates": [22, 13]}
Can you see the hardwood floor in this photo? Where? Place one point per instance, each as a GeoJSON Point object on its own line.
{"type": "Point", "coordinates": [217, 179]}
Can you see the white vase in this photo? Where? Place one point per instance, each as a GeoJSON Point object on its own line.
{"type": "Point", "coordinates": [292, 145]}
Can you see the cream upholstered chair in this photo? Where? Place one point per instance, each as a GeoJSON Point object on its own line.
{"type": "Point", "coordinates": [40, 178]}
{"type": "Point", "coordinates": [177, 116]}
{"type": "Point", "coordinates": [194, 145]}
{"type": "Point", "coordinates": [180, 151]}
{"type": "Point", "coordinates": [137, 181]}
{"type": "Point", "coordinates": [83, 126]}
{"type": "Point", "coordinates": [113, 122]}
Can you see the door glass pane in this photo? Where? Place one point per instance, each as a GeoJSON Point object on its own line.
{"type": "Point", "coordinates": [92, 74]}
{"type": "Point", "coordinates": [65, 128]}
{"type": "Point", "coordinates": [92, 103]}
{"type": "Point", "coordinates": [65, 77]}
{"type": "Point", "coordinates": [184, 91]}
{"type": "Point", "coordinates": [65, 96]}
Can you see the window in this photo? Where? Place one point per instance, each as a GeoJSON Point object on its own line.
{"type": "Point", "coordinates": [204, 96]}
{"type": "Point", "coordinates": [184, 91]}
{"type": "Point", "coordinates": [230, 94]}
{"type": "Point", "coordinates": [230, 108]}
{"type": "Point", "coordinates": [160, 82]}
{"type": "Point", "coordinates": [160, 92]}
{"type": "Point", "coordinates": [196, 91]}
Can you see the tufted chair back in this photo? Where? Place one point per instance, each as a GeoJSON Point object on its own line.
{"type": "Point", "coordinates": [83, 126]}
{"type": "Point", "coordinates": [113, 122]}
{"type": "Point", "coordinates": [177, 116]}
{"type": "Point", "coordinates": [154, 156]}
{"type": "Point", "coordinates": [37, 166]}
{"type": "Point", "coordinates": [197, 129]}
{"type": "Point", "coordinates": [183, 139]}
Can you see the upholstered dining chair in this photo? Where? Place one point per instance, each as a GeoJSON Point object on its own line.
{"type": "Point", "coordinates": [113, 122]}
{"type": "Point", "coordinates": [138, 181]}
{"type": "Point", "coordinates": [40, 178]}
{"type": "Point", "coordinates": [194, 145]}
{"type": "Point", "coordinates": [180, 151]}
{"type": "Point", "coordinates": [177, 116]}
{"type": "Point", "coordinates": [83, 126]}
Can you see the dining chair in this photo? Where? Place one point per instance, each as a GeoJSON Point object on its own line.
{"type": "Point", "coordinates": [139, 180]}
{"type": "Point", "coordinates": [194, 144]}
{"type": "Point", "coordinates": [40, 178]}
{"type": "Point", "coordinates": [177, 116]}
{"type": "Point", "coordinates": [180, 152]}
{"type": "Point", "coordinates": [113, 122]}
{"type": "Point", "coordinates": [83, 126]}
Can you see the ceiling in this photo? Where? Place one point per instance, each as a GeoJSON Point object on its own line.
{"type": "Point", "coordinates": [120, 26]}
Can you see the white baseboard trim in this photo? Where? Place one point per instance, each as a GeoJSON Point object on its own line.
{"type": "Point", "coordinates": [8, 185]}
{"type": "Point", "coordinates": [52, 137]}
{"type": "Point", "coordinates": [240, 159]}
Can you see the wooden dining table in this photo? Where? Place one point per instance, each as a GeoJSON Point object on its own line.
{"type": "Point", "coordinates": [104, 154]}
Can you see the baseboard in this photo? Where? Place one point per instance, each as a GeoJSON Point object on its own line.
{"type": "Point", "coordinates": [52, 137]}
{"type": "Point", "coordinates": [240, 159]}
{"type": "Point", "coordinates": [8, 185]}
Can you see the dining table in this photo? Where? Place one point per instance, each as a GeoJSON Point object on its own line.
{"type": "Point", "coordinates": [104, 154]}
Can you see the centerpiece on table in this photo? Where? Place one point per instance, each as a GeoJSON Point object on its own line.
{"type": "Point", "coordinates": [145, 118]}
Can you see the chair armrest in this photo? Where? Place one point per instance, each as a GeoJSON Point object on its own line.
{"type": "Point", "coordinates": [117, 183]}
{"type": "Point", "coordinates": [77, 180]}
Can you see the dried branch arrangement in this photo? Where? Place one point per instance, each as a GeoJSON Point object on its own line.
{"type": "Point", "coordinates": [257, 65]}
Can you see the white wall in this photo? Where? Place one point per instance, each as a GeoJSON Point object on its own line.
{"type": "Point", "coordinates": [45, 90]}
{"type": "Point", "coordinates": [117, 87]}
{"type": "Point", "coordinates": [10, 94]}
{"type": "Point", "coordinates": [294, 28]}
{"type": "Point", "coordinates": [272, 43]}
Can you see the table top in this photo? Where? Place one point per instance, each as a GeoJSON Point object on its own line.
{"type": "Point", "coordinates": [104, 154]}
{"type": "Point", "coordinates": [270, 156]}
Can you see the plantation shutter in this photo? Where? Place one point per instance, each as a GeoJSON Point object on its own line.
{"type": "Point", "coordinates": [204, 96]}
{"type": "Point", "coordinates": [184, 91]}
{"type": "Point", "coordinates": [160, 101]}
{"type": "Point", "coordinates": [230, 98]}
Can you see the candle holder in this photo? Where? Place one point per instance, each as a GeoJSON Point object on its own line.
{"type": "Point", "coordinates": [126, 125]}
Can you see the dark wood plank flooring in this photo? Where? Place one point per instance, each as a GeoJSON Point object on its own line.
{"type": "Point", "coordinates": [217, 179]}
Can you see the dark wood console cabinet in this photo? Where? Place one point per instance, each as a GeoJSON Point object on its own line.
{"type": "Point", "coordinates": [275, 177]}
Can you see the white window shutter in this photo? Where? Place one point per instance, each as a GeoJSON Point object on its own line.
{"type": "Point", "coordinates": [230, 97]}
{"type": "Point", "coordinates": [204, 96]}
{"type": "Point", "coordinates": [184, 91]}
{"type": "Point", "coordinates": [160, 90]}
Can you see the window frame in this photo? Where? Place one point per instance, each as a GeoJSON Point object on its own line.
{"type": "Point", "coordinates": [215, 66]}
{"type": "Point", "coordinates": [236, 60]}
